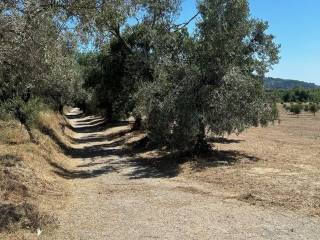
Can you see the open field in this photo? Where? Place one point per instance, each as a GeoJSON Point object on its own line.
{"type": "Point", "coordinates": [274, 166]}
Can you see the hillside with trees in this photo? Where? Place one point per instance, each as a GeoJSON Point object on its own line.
{"type": "Point", "coordinates": [296, 95]}
{"type": "Point", "coordinates": [286, 84]}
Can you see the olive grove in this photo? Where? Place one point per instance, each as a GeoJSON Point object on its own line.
{"type": "Point", "coordinates": [37, 62]}
{"type": "Point", "coordinates": [181, 85]}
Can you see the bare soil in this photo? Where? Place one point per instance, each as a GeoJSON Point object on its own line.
{"type": "Point", "coordinates": [274, 166]}
{"type": "Point", "coordinates": [263, 184]}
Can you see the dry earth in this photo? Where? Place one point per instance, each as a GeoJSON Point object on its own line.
{"type": "Point", "coordinates": [118, 193]}
{"type": "Point", "coordinates": [274, 166]}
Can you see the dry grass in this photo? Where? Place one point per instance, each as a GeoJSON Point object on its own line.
{"type": "Point", "coordinates": [277, 166]}
{"type": "Point", "coordinates": [28, 186]}
{"type": "Point", "coordinates": [274, 166]}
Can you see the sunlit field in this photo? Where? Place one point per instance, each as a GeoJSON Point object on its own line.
{"type": "Point", "coordinates": [274, 166]}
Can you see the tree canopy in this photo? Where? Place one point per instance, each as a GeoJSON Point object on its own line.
{"type": "Point", "coordinates": [144, 64]}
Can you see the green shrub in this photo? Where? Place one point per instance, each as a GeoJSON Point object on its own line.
{"type": "Point", "coordinates": [25, 112]}
{"type": "Point", "coordinates": [313, 108]}
{"type": "Point", "coordinates": [287, 108]}
{"type": "Point", "coordinates": [296, 109]}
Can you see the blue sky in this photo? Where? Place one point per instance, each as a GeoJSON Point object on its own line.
{"type": "Point", "coordinates": [296, 26]}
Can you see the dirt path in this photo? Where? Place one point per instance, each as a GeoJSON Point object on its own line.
{"type": "Point", "coordinates": [113, 197]}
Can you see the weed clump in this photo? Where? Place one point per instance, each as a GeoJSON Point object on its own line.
{"type": "Point", "coordinates": [22, 216]}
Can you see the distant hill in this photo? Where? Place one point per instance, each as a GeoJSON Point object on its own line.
{"type": "Point", "coordinates": [278, 83]}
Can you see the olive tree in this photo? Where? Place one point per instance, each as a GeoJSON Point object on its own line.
{"type": "Point", "coordinates": [36, 62]}
{"type": "Point", "coordinates": [313, 108]}
{"type": "Point", "coordinates": [211, 82]}
{"type": "Point", "coordinates": [296, 109]}
{"type": "Point", "coordinates": [128, 54]}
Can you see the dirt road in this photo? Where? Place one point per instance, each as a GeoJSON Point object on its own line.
{"type": "Point", "coordinates": [115, 197]}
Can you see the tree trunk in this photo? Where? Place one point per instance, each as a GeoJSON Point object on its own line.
{"type": "Point", "coordinates": [22, 117]}
{"type": "Point", "coordinates": [109, 113]}
{"type": "Point", "coordinates": [201, 147]}
{"type": "Point", "coordinates": [279, 121]}
{"type": "Point", "coordinates": [137, 124]}
{"type": "Point", "coordinates": [84, 108]}
{"type": "Point", "coordinates": [31, 136]}
{"type": "Point", "coordinates": [61, 109]}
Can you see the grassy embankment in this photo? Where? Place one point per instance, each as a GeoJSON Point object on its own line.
{"type": "Point", "coordinates": [29, 188]}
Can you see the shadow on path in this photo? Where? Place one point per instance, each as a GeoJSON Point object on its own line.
{"type": "Point", "coordinates": [73, 174]}
{"type": "Point", "coordinates": [108, 152]}
{"type": "Point", "coordinates": [223, 140]}
{"type": "Point", "coordinates": [168, 165]}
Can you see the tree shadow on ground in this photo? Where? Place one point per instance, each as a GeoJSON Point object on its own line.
{"type": "Point", "coordinates": [223, 140]}
{"type": "Point", "coordinates": [166, 166]}
{"type": "Point", "coordinates": [93, 121]}
{"type": "Point", "coordinates": [75, 116]}
{"type": "Point", "coordinates": [160, 165]}
{"type": "Point", "coordinates": [107, 137]}
{"type": "Point", "coordinates": [82, 174]}
{"type": "Point", "coordinates": [98, 150]}
{"type": "Point", "coordinates": [55, 137]}
{"type": "Point", "coordinates": [102, 150]}
{"type": "Point", "coordinates": [220, 158]}
{"type": "Point", "coordinates": [97, 127]}
{"type": "Point", "coordinates": [169, 165]}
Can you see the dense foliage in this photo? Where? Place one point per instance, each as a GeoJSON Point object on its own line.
{"type": "Point", "coordinates": [144, 64]}
{"type": "Point", "coordinates": [182, 85]}
{"type": "Point", "coordinates": [37, 61]}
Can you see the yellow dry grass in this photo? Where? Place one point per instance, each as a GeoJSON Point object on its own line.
{"type": "Point", "coordinates": [274, 166]}
{"type": "Point", "coordinates": [28, 186]}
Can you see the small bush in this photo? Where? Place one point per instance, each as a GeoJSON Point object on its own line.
{"type": "Point", "coordinates": [287, 108]}
{"type": "Point", "coordinates": [24, 216]}
{"type": "Point", "coordinates": [26, 112]}
{"type": "Point", "coordinates": [9, 160]}
{"type": "Point", "coordinates": [313, 108]}
{"type": "Point", "coordinates": [296, 109]}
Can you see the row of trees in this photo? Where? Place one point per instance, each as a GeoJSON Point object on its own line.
{"type": "Point", "coordinates": [37, 60]}
{"type": "Point", "coordinates": [297, 108]}
{"type": "Point", "coordinates": [297, 95]}
{"type": "Point", "coordinates": [185, 85]}
{"type": "Point", "coordinates": [145, 64]}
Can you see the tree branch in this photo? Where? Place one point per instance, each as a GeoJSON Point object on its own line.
{"type": "Point", "coordinates": [182, 25]}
